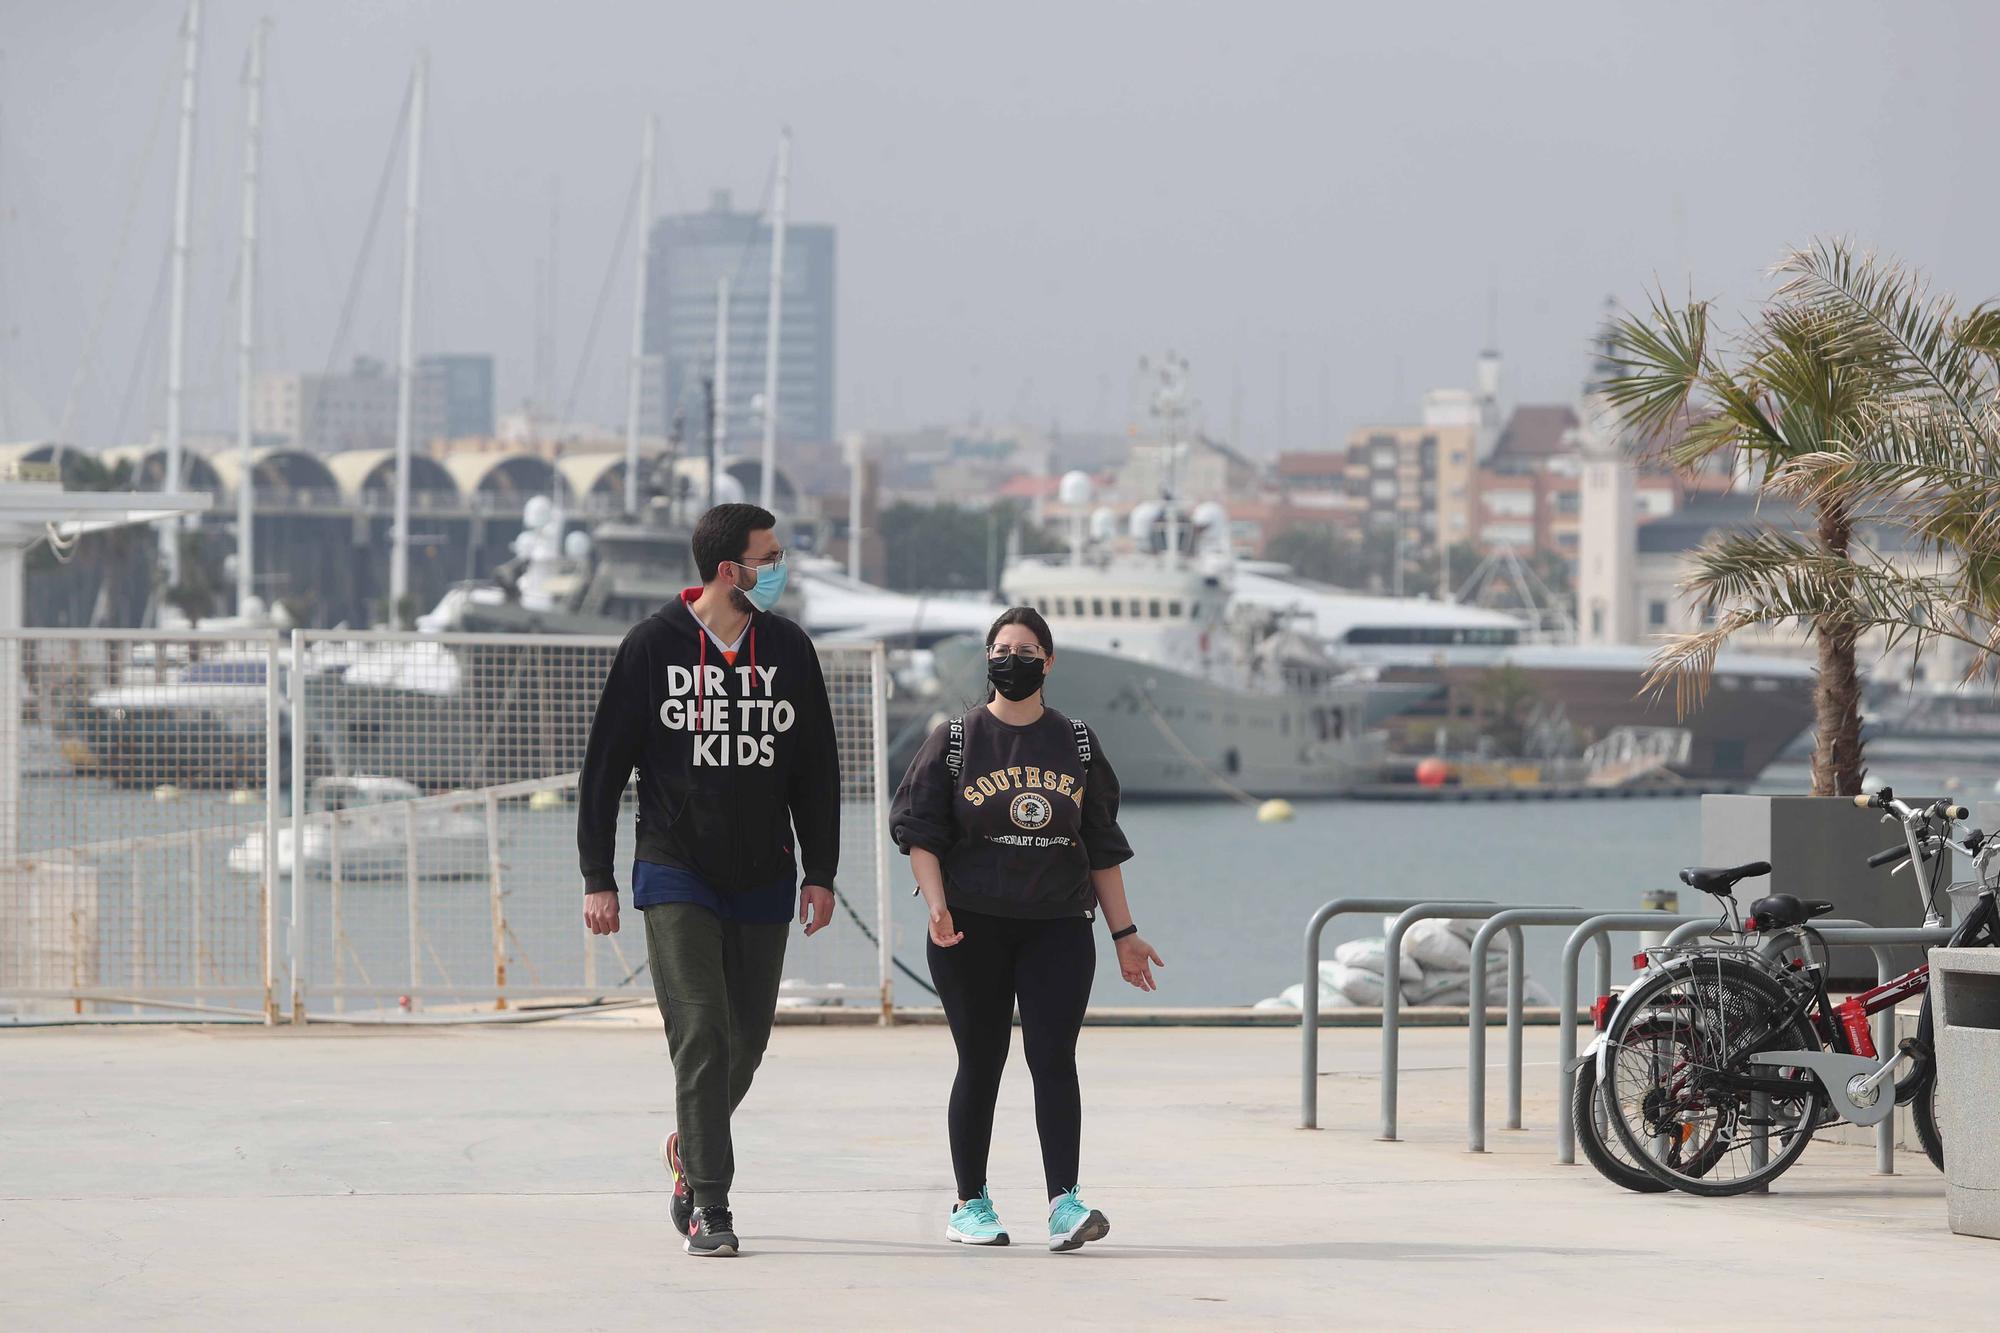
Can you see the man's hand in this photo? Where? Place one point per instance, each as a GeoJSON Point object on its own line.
{"type": "Point", "coordinates": [600, 912]}
{"type": "Point", "coordinates": [815, 908]}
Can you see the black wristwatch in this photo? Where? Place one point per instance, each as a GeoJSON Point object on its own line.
{"type": "Point", "coordinates": [1132, 929]}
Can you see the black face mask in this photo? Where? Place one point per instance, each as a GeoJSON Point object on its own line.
{"type": "Point", "coordinates": [1014, 676]}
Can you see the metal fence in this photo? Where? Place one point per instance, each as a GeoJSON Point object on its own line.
{"type": "Point", "coordinates": [339, 823]}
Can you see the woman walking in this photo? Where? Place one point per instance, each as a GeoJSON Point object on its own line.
{"type": "Point", "coordinates": [1009, 816]}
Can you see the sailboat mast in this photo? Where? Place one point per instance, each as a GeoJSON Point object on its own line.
{"type": "Point", "coordinates": [170, 547]}
{"type": "Point", "coordinates": [399, 558]}
{"type": "Point", "coordinates": [253, 129]}
{"type": "Point", "coordinates": [767, 487]}
{"type": "Point", "coordinates": [721, 367]}
{"type": "Point", "coordinates": [635, 372]}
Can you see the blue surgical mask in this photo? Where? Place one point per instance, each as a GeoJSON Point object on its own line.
{"type": "Point", "coordinates": [770, 586]}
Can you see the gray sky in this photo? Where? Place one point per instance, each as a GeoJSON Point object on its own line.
{"type": "Point", "coordinates": [1311, 200]}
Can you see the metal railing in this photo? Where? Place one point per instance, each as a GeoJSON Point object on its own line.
{"type": "Point", "coordinates": [1309, 994]}
{"type": "Point", "coordinates": [331, 821]}
{"type": "Point", "coordinates": [1510, 921]}
{"type": "Point", "coordinates": [1392, 998]}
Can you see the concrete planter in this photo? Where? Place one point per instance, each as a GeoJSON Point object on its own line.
{"type": "Point", "coordinates": [1965, 993]}
{"type": "Point", "coordinates": [1818, 847]}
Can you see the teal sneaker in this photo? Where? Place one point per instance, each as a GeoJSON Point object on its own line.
{"type": "Point", "coordinates": [975, 1223]}
{"type": "Point", "coordinates": [1072, 1222]}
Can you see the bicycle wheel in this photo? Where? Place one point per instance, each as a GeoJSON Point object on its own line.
{"type": "Point", "coordinates": [1923, 1106]}
{"type": "Point", "coordinates": [1600, 1142]}
{"type": "Point", "coordinates": [1673, 1047]}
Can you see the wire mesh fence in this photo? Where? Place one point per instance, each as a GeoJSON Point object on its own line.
{"type": "Point", "coordinates": [151, 788]}
{"type": "Point", "coordinates": [133, 767]}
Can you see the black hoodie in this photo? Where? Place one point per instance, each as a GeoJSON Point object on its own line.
{"type": "Point", "coordinates": [731, 757]}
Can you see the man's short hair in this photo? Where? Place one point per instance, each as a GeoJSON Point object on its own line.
{"type": "Point", "coordinates": [724, 534]}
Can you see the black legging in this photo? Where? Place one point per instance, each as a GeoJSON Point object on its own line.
{"type": "Point", "coordinates": [1048, 967]}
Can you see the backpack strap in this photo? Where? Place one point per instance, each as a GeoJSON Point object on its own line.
{"type": "Point", "coordinates": [954, 752]}
{"type": "Point", "coordinates": [1082, 743]}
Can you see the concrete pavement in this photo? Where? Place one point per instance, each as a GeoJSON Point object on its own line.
{"type": "Point", "coordinates": [499, 1179]}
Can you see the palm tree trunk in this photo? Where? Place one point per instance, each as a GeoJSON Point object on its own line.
{"type": "Point", "coordinates": [1836, 764]}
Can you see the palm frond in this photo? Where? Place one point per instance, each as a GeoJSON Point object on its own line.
{"type": "Point", "coordinates": [1883, 315]}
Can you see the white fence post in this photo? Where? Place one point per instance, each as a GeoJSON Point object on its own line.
{"type": "Point", "coordinates": [878, 674]}
{"type": "Point", "coordinates": [295, 936]}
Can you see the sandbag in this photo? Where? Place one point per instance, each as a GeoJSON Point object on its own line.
{"type": "Point", "coordinates": [1329, 998]}
{"type": "Point", "coordinates": [1371, 956]}
{"type": "Point", "coordinates": [1361, 988]}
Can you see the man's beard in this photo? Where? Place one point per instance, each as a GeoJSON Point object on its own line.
{"type": "Point", "coordinates": [741, 601]}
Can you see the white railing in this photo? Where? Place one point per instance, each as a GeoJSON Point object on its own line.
{"type": "Point", "coordinates": [167, 841]}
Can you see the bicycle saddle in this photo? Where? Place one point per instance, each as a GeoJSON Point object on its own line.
{"type": "Point", "coordinates": [1782, 909]}
{"type": "Point", "coordinates": [1720, 880]}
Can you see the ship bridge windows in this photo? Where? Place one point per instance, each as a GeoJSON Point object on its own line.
{"type": "Point", "coordinates": [1117, 608]}
{"type": "Point", "coordinates": [1153, 609]}
{"type": "Point", "coordinates": [1174, 608]}
{"type": "Point", "coordinates": [1097, 606]}
{"type": "Point", "coordinates": [1432, 635]}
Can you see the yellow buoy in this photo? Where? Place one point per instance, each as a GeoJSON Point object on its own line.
{"type": "Point", "coordinates": [166, 791]}
{"type": "Point", "coordinates": [545, 800]}
{"type": "Point", "coordinates": [1274, 812]}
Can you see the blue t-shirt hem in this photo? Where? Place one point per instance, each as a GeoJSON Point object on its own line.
{"type": "Point", "coordinates": [654, 884]}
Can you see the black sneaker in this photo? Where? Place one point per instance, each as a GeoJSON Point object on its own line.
{"type": "Point", "coordinates": [682, 1209]}
{"type": "Point", "coordinates": [711, 1233]}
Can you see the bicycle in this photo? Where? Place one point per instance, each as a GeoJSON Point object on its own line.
{"type": "Point", "coordinates": [1716, 1068]}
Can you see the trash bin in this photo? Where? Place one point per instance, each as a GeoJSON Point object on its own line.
{"type": "Point", "coordinates": [1965, 986]}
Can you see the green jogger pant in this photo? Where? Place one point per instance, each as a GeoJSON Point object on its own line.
{"type": "Point", "coordinates": [717, 983]}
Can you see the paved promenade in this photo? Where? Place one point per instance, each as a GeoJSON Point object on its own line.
{"type": "Point", "coordinates": [504, 1179]}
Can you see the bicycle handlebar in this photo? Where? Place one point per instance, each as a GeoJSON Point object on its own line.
{"type": "Point", "coordinates": [1888, 854]}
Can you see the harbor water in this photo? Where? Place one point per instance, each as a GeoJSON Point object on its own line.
{"type": "Point", "coordinates": [1223, 897]}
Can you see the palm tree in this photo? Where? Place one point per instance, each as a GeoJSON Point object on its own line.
{"type": "Point", "coordinates": [1868, 399]}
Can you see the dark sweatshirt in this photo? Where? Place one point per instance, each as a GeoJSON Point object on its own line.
{"type": "Point", "coordinates": [1022, 826]}
{"type": "Point", "coordinates": [732, 756]}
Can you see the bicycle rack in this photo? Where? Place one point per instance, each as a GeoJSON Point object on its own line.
{"type": "Point", "coordinates": [1566, 1025]}
{"type": "Point", "coordinates": [1309, 994]}
{"type": "Point", "coordinates": [1511, 921]}
{"type": "Point", "coordinates": [1392, 995]}
{"type": "Point", "coordinates": [1682, 934]}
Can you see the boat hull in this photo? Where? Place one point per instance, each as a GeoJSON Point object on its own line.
{"type": "Point", "coordinates": [1170, 734]}
{"type": "Point", "coordinates": [1746, 720]}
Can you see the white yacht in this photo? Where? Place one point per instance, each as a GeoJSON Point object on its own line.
{"type": "Point", "coordinates": [373, 843]}
{"type": "Point", "coordinates": [1191, 692]}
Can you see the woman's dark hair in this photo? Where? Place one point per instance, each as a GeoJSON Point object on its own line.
{"type": "Point", "coordinates": [1021, 615]}
{"type": "Point", "coordinates": [724, 534]}
{"type": "Point", "coordinates": [1024, 615]}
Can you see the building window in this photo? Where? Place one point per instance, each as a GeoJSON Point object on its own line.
{"type": "Point", "coordinates": [1117, 608]}
{"type": "Point", "coordinates": [1656, 614]}
{"type": "Point", "coordinates": [1097, 606]}
{"type": "Point", "coordinates": [1153, 609]}
{"type": "Point", "coordinates": [1596, 621]}
{"type": "Point", "coordinates": [1174, 608]}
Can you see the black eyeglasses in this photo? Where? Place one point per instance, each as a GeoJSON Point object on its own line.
{"type": "Point", "coordinates": [763, 562]}
{"type": "Point", "coordinates": [994, 652]}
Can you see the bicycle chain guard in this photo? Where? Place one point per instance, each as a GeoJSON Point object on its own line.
{"type": "Point", "coordinates": [1835, 1071]}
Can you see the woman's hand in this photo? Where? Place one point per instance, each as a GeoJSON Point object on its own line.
{"type": "Point", "coordinates": [942, 933]}
{"type": "Point", "coordinates": [1136, 961]}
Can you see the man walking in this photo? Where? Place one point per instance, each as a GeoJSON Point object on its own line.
{"type": "Point", "coordinates": [722, 708]}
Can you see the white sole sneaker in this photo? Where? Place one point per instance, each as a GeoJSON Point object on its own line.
{"type": "Point", "coordinates": [1093, 1227]}
{"type": "Point", "coordinates": [954, 1234]}
{"type": "Point", "coordinates": [719, 1252]}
